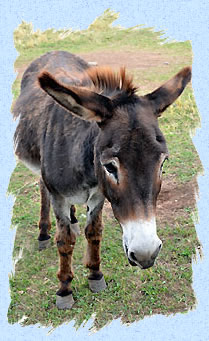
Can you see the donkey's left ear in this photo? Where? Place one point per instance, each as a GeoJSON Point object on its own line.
{"type": "Point", "coordinates": [170, 91]}
{"type": "Point", "coordinates": [81, 102]}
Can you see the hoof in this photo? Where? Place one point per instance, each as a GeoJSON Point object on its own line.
{"type": "Point", "coordinates": [75, 228]}
{"type": "Point", "coordinates": [64, 302]}
{"type": "Point", "coordinates": [96, 285]}
{"type": "Point", "coordinates": [43, 244]}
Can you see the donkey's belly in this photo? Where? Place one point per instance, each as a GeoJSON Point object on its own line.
{"type": "Point", "coordinates": [33, 166]}
{"type": "Point", "coordinates": [82, 196]}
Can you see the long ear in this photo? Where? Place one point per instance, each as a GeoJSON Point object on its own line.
{"type": "Point", "coordinates": [81, 102]}
{"type": "Point", "coordinates": [170, 91]}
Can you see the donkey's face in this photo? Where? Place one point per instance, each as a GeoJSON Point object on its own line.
{"type": "Point", "coordinates": [129, 152]}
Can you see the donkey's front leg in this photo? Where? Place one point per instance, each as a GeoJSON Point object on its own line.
{"type": "Point", "coordinates": [44, 223]}
{"type": "Point", "coordinates": [93, 232]}
{"type": "Point", "coordinates": [65, 239]}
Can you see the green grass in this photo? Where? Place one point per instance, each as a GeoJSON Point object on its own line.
{"type": "Point", "coordinates": [177, 123]}
{"type": "Point", "coordinates": [131, 293]}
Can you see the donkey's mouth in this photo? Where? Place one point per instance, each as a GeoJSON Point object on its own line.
{"type": "Point", "coordinates": [132, 263]}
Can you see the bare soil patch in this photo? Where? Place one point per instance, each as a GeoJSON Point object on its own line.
{"type": "Point", "coordinates": [174, 198]}
{"type": "Point", "coordinates": [130, 59]}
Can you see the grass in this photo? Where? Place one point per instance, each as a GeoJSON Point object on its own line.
{"type": "Point", "coordinates": [177, 124]}
{"type": "Point", "coordinates": [131, 293]}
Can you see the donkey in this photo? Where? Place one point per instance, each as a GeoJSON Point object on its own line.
{"type": "Point", "coordinates": [89, 136]}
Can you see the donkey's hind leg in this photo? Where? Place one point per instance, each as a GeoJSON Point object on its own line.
{"type": "Point", "coordinates": [44, 223]}
{"type": "Point", "coordinates": [93, 232]}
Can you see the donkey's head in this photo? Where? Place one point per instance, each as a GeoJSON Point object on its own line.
{"type": "Point", "coordinates": [130, 149]}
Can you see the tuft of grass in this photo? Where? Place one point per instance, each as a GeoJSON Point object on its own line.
{"type": "Point", "coordinates": [104, 22]}
{"type": "Point", "coordinates": [131, 293]}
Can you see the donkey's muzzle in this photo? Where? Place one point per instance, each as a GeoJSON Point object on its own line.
{"type": "Point", "coordinates": [143, 263]}
{"type": "Point", "coordinates": [141, 242]}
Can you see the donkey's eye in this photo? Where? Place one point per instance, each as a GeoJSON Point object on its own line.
{"type": "Point", "coordinates": [111, 169]}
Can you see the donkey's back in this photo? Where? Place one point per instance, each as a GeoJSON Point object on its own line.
{"type": "Point", "coordinates": [34, 108]}
{"type": "Point", "coordinates": [66, 66]}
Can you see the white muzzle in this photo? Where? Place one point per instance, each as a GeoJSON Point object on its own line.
{"type": "Point", "coordinates": [140, 242]}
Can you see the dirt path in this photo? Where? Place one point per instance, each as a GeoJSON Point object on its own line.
{"type": "Point", "coordinates": [131, 59]}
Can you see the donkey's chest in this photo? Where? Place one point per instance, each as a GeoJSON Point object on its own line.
{"type": "Point", "coordinates": [81, 196]}
{"type": "Point", "coordinates": [91, 197]}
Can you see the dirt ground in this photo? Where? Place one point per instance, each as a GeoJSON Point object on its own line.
{"type": "Point", "coordinates": [172, 200]}
{"type": "Point", "coordinates": [130, 59]}
{"type": "Point", "coordinates": [173, 197]}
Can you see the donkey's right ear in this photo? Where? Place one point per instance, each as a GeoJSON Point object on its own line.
{"type": "Point", "coordinates": [170, 91]}
{"type": "Point", "coordinates": [81, 102]}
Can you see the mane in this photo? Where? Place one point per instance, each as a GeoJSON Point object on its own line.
{"type": "Point", "coordinates": [111, 83]}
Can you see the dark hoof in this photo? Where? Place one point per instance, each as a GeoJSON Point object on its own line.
{"type": "Point", "coordinates": [43, 244]}
{"type": "Point", "coordinates": [64, 302]}
{"type": "Point", "coordinates": [96, 285]}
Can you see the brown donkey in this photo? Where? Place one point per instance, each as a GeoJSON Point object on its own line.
{"type": "Point", "coordinates": [89, 136]}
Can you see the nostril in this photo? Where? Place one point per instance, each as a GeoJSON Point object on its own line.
{"type": "Point", "coordinates": [133, 256]}
{"type": "Point", "coordinates": [160, 246]}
